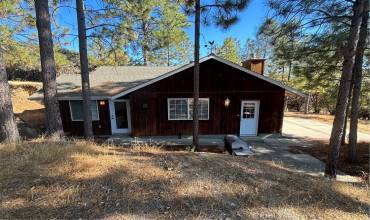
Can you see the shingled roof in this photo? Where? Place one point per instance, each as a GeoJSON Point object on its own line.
{"type": "Point", "coordinates": [107, 81]}
{"type": "Point", "coordinates": [111, 82]}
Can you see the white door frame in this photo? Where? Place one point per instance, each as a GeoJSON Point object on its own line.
{"type": "Point", "coordinates": [256, 114]}
{"type": "Point", "coordinates": [112, 111]}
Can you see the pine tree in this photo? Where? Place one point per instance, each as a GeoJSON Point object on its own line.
{"type": "Point", "coordinates": [229, 50]}
{"type": "Point", "coordinates": [150, 31]}
{"type": "Point", "coordinates": [357, 79]}
{"type": "Point", "coordinates": [53, 121]}
{"type": "Point", "coordinates": [8, 126]}
{"type": "Point", "coordinates": [84, 63]}
{"type": "Point", "coordinates": [221, 13]}
{"type": "Point", "coordinates": [327, 41]}
{"type": "Point", "coordinates": [173, 42]}
{"type": "Point", "coordinates": [342, 99]}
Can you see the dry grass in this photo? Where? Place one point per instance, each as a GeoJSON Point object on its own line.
{"type": "Point", "coordinates": [31, 112]}
{"type": "Point", "coordinates": [43, 179]}
{"type": "Point", "coordinates": [14, 83]}
{"type": "Point", "coordinates": [363, 125]}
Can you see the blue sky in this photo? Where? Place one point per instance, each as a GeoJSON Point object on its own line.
{"type": "Point", "coordinates": [250, 19]}
{"type": "Point", "coordinates": [247, 27]}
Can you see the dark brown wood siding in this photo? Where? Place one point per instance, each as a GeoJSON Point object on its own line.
{"type": "Point", "coordinates": [218, 81]}
{"type": "Point", "coordinates": [101, 127]}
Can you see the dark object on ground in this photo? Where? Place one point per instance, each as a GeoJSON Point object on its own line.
{"type": "Point", "coordinates": [237, 146]}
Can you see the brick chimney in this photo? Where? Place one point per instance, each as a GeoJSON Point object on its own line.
{"type": "Point", "coordinates": [255, 64]}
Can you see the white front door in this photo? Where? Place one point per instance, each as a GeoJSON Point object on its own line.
{"type": "Point", "coordinates": [249, 118]}
{"type": "Point", "coordinates": [120, 116]}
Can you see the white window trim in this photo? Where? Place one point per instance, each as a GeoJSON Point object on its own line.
{"type": "Point", "coordinates": [168, 109]}
{"type": "Point", "coordinates": [70, 110]}
{"type": "Point", "coordinates": [188, 103]}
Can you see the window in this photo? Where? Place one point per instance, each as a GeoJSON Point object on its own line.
{"type": "Point", "coordinates": [178, 109]}
{"type": "Point", "coordinates": [182, 109]}
{"type": "Point", "coordinates": [202, 109]}
{"type": "Point", "coordinates": [77, 112]}
{"type": "Point", "coordinates": [248, 110]}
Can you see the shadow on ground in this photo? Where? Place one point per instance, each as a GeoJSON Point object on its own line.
{"type": "Point", "coordinates": [76, 180]}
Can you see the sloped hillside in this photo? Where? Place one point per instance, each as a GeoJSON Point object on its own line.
{"type": "Point", "coordinates": [30, 114]}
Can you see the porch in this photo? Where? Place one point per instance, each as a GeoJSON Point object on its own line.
{"type": "Point", "coordinates": [125, 140]}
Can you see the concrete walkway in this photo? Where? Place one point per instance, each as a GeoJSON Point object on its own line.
{"type": "Point", "coordinates": [275, 148]}
{"type": "Point", "coordinates": [312, 129]}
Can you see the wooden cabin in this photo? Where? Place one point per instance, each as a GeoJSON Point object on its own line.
{"type": "Point", "coordinates": [157, 101]}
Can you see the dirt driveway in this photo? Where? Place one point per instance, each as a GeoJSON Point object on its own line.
{"type": "Point", "coordinates": [312, 129]}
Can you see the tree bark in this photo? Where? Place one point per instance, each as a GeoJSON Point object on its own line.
{"type": "Point", "coordinates": [196, 76]}
{"type": "Point", "coordinates": [144, 47]}
{"type": "Point", "coordinates": [84, 62]}
{"type": "Point", "coordinates": [145, 61]}
{"type": "Point", "coordinates": [357, 79]}
{"type": "Point", "coordinates": [53, 121]}
{"type": "Point", "coordinates": [168, 55]}
{"type": "Point", "coordinates": [286, 103]}
{"type": "Point", "coordinates": [8, 127]}
{"type": "Point", "coordinates": [343, 141]}
{"type": "Point", "coordinates": [342, 99]}
{"type": "Point", "coordinates": [307, 104]}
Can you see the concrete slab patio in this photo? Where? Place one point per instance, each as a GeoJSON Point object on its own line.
{"type": "Point", "coordinates": [208, 140]}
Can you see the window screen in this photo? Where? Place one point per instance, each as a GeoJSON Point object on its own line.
{"type": "Point", "coordinates": [178, 109]}
{"type": "Point", "coordinates": [202, 109]}
{"type": "Point", "coordinates": [77, 112]}
{"type": "Point", "coordinates": [182, 109]}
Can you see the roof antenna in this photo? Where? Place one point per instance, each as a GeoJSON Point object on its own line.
{"type": "Point", "coordinates": [210, 46]}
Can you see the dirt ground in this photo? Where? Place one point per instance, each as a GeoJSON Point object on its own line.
{"type": "Point", "coordinates": [71, 180]}
{"type": "Point", "coordinates": [31, 112]}
{"type": "Point", "coordinates": [320, 151]}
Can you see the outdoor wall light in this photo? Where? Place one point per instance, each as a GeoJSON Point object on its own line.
{"type": "Point", "coordinates": [227, 102]}
{"type": "Point", "coordinates": [102, 103]}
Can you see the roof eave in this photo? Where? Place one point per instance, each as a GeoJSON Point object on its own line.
{"type": "Point", "coordinates": [186, 66]}
{"type": "Point", "coordinates": [65, 97]}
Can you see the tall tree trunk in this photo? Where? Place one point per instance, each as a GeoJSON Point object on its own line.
{"type": "Point", "coordinates": [307, 104]}
{"type": "Point", "coordinates": [84, 62]}
{"type": "Point", "coordinates": [53, 121]}
{"type": "Point", "coordinates": [289, 70]}
{"type": "Point", "coordinates": [343, 141]}
{"type": "Point", "coordinates": [145, 61]}
{"type": "Point", "coordinates": [144, 47]}
{"type": "Point", "coordinates": [8, 126]}
{"type": "Point", "coordinates": [342, 99]}
{"type": "Point", "coordinates": [357, 78]}
{"type": "Point", "coordinates": [168, 55]}
{"type": "Point", "coordinates": [196, 75]}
